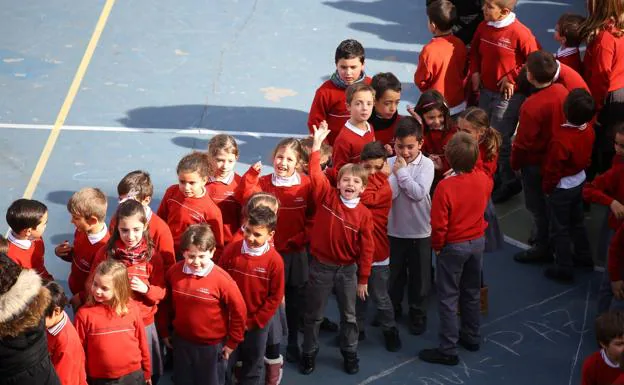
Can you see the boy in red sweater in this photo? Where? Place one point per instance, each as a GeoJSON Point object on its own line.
{"type": "Point", "coordinates": [258, 270]}
{"type": "Point", "coordinates": [27, 219]}
{"type": "Point", "coordinates": [329, 102]}
{"type": "Point", "coordinates": [442, 62]}
{"type": "Point", "coordinates": [603, 366]}
{"type": "Point", "coordinates": [66, 352]}
{"type": "Point", "coordinates": [385, 114]}
{"type": "Point", "coordinates": [342, 246]}
{"type": "Point", "coordinates": [563, 175]}
{"type": "Point", "coordinates": [541, 111]}
{"type": "Point", "coordinates": [568, 35]}
{"type": "Point", "coordinates": [377, 197]}
{"type": "Point", "coordinates": [457, 238]}
{"type": "Point", "coordinates": [499, 49]}
{"type": "Point", "coordinates": [87, 208]}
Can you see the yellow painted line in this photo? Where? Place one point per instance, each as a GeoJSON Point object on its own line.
{"type": "Point", "coordinates": [69, 100]}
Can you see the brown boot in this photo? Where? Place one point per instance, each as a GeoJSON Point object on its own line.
{"type": "Point", "coordinates": [273, 369]}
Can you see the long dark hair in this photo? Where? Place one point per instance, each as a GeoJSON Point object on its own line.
{"type": "Point", "coordinates": [127, 209]}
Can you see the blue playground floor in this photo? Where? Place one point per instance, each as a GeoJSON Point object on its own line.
{"type": "Point", "coordinates": [164, 76]}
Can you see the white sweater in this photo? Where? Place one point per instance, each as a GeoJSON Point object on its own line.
{"type": "Point", "coordinates": [410, 216]}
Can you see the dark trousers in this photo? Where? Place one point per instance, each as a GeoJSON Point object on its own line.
{"type": "Point", "coordinates": [251, 353]}
{"type": "Point", "coordinates": [458, 280]}
{"type": "Point", "coordinates": [567, 227]}
{"type": "Point", "coordinates": [198, 364]}
{"type": "Point", "coordinates": [535, 202]}
{"type": "Point", "coordinates": [134, 378]}
{"type": "Point", "coordinates": [378, 292]}
{"type": "Point", "coordinates": [410, 263]}
{"type": "Point", "coordinates": [296, 272]}
{"type": "Point", "coordinates": [324, 278]}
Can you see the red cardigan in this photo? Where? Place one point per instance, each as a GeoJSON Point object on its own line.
{"type": "Point", "coordinates": [348, 146]}
{"type": "Point", "coordinates": [31, 258]}
{"type": "Point", "coordinates": [435, 142]}
{"type": "Point", "coordinates": [82, 257]}
{"type": "Point", "coordinates": [224, 196]}
{"type": "Point", "coordinates": [66, 353]}
{"type": "Point", "coordinates": [603, 65]}
{"type": "Point", "coordinates": [596, 371]}
{"type": "Point", "coordinates": [487, 166]}
{"type": "Point", "coordinates": [605, 188]}
{"type": "Point", "coordinates": [378, 199]}
{"type": "Point", "coordinates": [570, 79]}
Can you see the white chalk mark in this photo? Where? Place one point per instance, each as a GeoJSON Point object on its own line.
{"type": "Point", "coordinates": [386, 372]}
{"type": "Point", "coordinates": [533, 326]}
{"type": "Point", "coordinates": [467, 369]}
{"type": "Point", "coordinates": [485, 359]}
{"type": "Point", "coordinates": [502, 345]}
{"type": "Point", "coordinates": [578, 348]}
{"type": "Point", "coordinates": [517, 243]}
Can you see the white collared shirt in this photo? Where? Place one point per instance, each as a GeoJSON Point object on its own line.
{"type": "Point", "coordinates": [148, 212]}
{"type": "Point", "coordinates": [225, 180]}
{"type": "Point", "coordinates": [186, 269]}
{"type": "Point", "coordinates": [350, 203]}
{"type": "Point", "coordinates": [357, 130]}
{"type": "Point", "coordinates": [280, 181]}
{"type": "Point", "coordinates": [607, 361]}
{"type": "Point", "coordinates": [503, 23]}
{"type": "Point", "coordinates": [23, 244]}
{"type": "Point", "coordinates": [556, 77]}
{"type": "Point", "coordinates": [56, 329]}
{"type": "Point", "coordinates": [95, 238]}
{"type": "Point", "coordinates": [255, 251]}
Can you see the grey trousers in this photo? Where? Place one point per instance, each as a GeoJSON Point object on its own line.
{"type": "Point", "coordinates": [458, 280]}
{"type": "Point", "coordinates": [251, 353]}
{"type": "Point", "coordinates": [378, 292]}
{"type": "Point", "coordinates": [410, 263]}
{"type": "Point", "coordinates": [156, 358]}
{"type": "Point", "coordinates": [196, 364]}
{"type": "Point", "coordinates": [324, 278]}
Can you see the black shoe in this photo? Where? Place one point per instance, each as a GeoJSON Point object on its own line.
{"type": "Point", "coordinates": [559, 274]}
{"type": "Point", "coordinates": [393, 342]}
{"type": "Point", "coordinates": [292, 353]}
{"type": "Point", "coordinates": [351, 362]}
{"type": "Point", "coordinates": [307, 363]}
{"type": "Point", "coordinates": [468, 346]}
{"type": "Point", "coordinates": [329, 326]}
{"type": "Point", "coordinates": [417, 324]}
{"type": "Point", "coordinates": [362, 335]}
{"type": "Point", "coordinates": [435, 356]}
{"type": "Point", "coordinates": [535, 254]}
{"type": "Point", "coordinates": [504, 193]}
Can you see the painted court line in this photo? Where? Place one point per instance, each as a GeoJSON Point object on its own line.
{"type": "Point", "coordinates": [581, 337]}
{"type": "Point", "coordinates": [69, 100]}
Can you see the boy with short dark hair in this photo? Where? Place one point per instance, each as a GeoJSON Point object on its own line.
{"type": "Point", "coordinates": [568, 35]}
{"type": "Point", "coordinates": [27, 219]}
{"type": "Point", "coordinates": [377, 197]}
{"type": "Point", "coordinates": [442, 62]}
{"type": "Point", "coordinates": [603, 366]}
{"type": "Point", "coordinates": [385, 114]}
{"type": "Point", "coordinates": [457, 238]}
{"type": "Point", "coordinates": [563, 176]}
{"type": "Point", "coordinates": [329, 102]}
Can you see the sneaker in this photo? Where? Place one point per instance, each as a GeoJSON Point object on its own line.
{"type": "Point", "coordinates": [435, 356]}
{"type": "Point", "coordinates": [559, 274]}
{"type": "Point", "coordinates": [535, 254]}
{"type": "Point", "coordinates": [393, 342]}
{"type": "Point", "coordinates": [351, 362]}
{"type": "Point", "coordinates": [417, 324]}
{"type": "Point", "coordinates": [329, 326]}
{"type": "Point", "coordinates": [292, 353]}
{"type": "Point", "coordinates": [307, 363]}
{"type": "Point", "coordinates": [468, 346]}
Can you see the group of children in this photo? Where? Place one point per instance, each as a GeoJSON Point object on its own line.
{"type": "Point", "coordinates": [230, 264]}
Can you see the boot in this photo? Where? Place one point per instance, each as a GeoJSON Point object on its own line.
{"type": "Point", "coordinates": [307, 363]}
{"type": "Point", "coordinates": [273, 369]}
{"type": "Point", "coordinates": [392, 340]}
{"type": "Point", "coordinates": [351, 362]}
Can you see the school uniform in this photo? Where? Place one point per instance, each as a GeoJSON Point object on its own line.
{"type": "Point", "coordinates": [434, 143]}
{"type": "Point", "coordinates": [442, 66]}
{"type": "Point", "coordinates": [409, 233]}
{"type": "Point", "coordinates": [494, 238]}
{"type": "Point", "coordinates": [349, 144]}
{"type": "Point", "coordinates": [66, 352]}
{"type": "Point", "coordinates": [569, 78]}
{"type": "Point", "coordinates": [342, 245]}
{"type": "Point", "coordinates": [384, 128]}
{"type": "Point", "coordinates": [457, 234]}
{"type": "Point", "coordinates": [598, 369]}
{"type": "Point", "coordinates": [28, 254]}
{"type": "Point", "coordinates": [222, 191]}
{"type": "Point", "coordinates": [82, 255]}
{"type": "Point", "coordinates": [570, 56]}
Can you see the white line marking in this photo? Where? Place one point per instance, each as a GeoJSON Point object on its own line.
{"type": "Point", "coordinates": [191, 131]}
{"type": "Point", "coordinates": [583, 331]}
{"type": "Point", "coordinates": [386, 372]}
{"type": "Point", "coordinates": [515, 242]}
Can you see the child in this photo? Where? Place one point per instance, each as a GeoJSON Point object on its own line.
{"type": "Point", "coordinates": [457, 238]}
{"type": "Point", "coordinates": [306, 149]}
{"type": "Point", "coordinates": [541, 111]}
{"type": "Point", "coordinates": [258, 270]}
{"type": "Point", "coordinates": [563, 176]}
{"type": "Point", "coordinates": [603, 366]}
{"type": "Point", "coordinates": [111, 330]}
{"type": "Point", "coordinates": [27, 219]}
{"type": "Point", "coordinates": [131, 244]}
{"type": "Point", "coordinates": [208, 312]}
{"type": "Point", "coordinates": [385, 114]}
{"type": "Point", "coordinates": [566, 76]}
{"type": "Point", "coordinates": [223, 152]}
{"type": "Point", "coordinates": [64, 346]}
{"type": "Point", "coordinates": [138, 185]}
{"type": "Point", "coordinates": [349, 142]}
{"type": "Point", "coordinates": [87, 208]}
{"type": "Point", "coordinates": [568, 35]}
{"type": "Point", "coordinates": [442, 62]}
{"type": "Point", "coordinates": [499, 49]}
{"type": "Point", "coordinates": [438, 129]}
{"type": "Point", "coordinates": [377, 197]}
{"type": "Point", "coordinates": [188, 202]}
{"type": "Point", "coordinates": [342, 247]}
{"type": "Point", "coordinates": [329, 102]}
{"type": "Point", "coordinates": [409, 228]}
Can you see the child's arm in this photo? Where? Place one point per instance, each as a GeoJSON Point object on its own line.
{"type": "Point", "coordinates": [614, 263]}
{"type": "Point", "coordinates": [318, 110]}
{"type": "Point", "coordinates": [440, 212]}
{"type": "Point", "coordinates": [373, 195]}
{"type": "Point", "coordinates": [415, 187]}
{"type": "Point", "coordinates": [81, 329]}
{"type": "Point", "coordinates": [475, 61]}
{"type": "Point", "coordinates": [248, 184]}
{"type": "Point", "coordinates": [367, 249]}
{"type": "Point", "coordinates": [65, 251]}
{"type": "Point", "coordinates": [139, 330]}
{"type": "Point", "coordinates": [274, 298]}
{"type": "Point", "coordinates": [215, 221]}
{"type": "Point", "coordinates": [156, 288]}
{"type": "Point", "coordinates": [601, 189]}
{"type": "Point", "coordinates": [320, 184]}
{"type": "Point", "coordinates": [165, 313]}
{"type": "Point", "coordinates": [599, 70]}
{"type": "Point", "coordinates": [234, 302]}
{"type": "Point", "coordinates": [163, 209]}
{"type": "Point", "coordinates": [552, 165]}
{"type": "Point", "coordinates": [526, 137]}
{"type": "Point", "coordinates": [164, 246]}
{"type": "Point", "coordinates": [423, 75]}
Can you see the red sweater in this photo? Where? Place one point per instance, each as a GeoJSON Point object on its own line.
{"type": "Point", "coordinates": [383, 134]}
{"type": "Point", "coordinates": [487, 166]}
{"type": "Point", "coordinates": [296, 208]}
{"type": "Point", "coordinates": [596, 371]}
{"type": "Point", "coordinates": [66, 353]}
{"type": "Point", "coordinates": [603, 66]}
{"type": "Point", "coordinates": [378, 199]}
{"type": "Point", "coordinates": [604, 189]}
{"type": "Point", "coordinates": [570, 79]}
{"type": "Point", "coordinates": [435, 142]}
{"type": "Point", "coordinates": [569, 152]}
{"type": "Point", "coordinates": [223, 195]}
{"type": "Point", "coordinates": [615, 264]}
{"type": "Point", "coordinates": [179, 212]}
{"type": "Point", "coordinates": [570, 56]}
{"type": "Point", "coordinates": [539, 113]}
{"type": "Point", "coordinates": [82, 256]}
{"type": "Point", "coordinates": [260, 280]}
{"type": "Point", "coordinates": [151, 273]}
{"type": "Point", "coordinates": [499, 52]}
{"type": "Point", "coordinates": [340, 235]}
{"type": "Point", "coordinates": [206, 309]}
{"type": "Point", "coordinates": [442, 67]}
{"type": "Point", "coordinates": [31, 258]}
{"type": "Point", "coordinates": [114, 346]}
{"type": "Point", "coordinates": [454, 218]}
{"type": "Point", "coordinates": [330, 104]}
{"type": "Point", "coordinates": [348, 146]}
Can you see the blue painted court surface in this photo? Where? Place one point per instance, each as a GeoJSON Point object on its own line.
{"type": "Point", "coordinates": [165, 75]}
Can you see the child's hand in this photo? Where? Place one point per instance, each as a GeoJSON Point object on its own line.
{"type": "Point", "coordinates": [389, 149]}
{"type": "Point", "coordinates": [437, 161]}
{"type": "Point", "coordinates": [410, 110]}
{"type": "Point", "coordinates": [617, 208]}
{"type": "Point", "coordinates": [399, 163]}
{"type": "Point", "coordinates": [506, 88]}
{"type": "Point", "coordinates": [63, 249]}
{"type": "Point", "coordinates": [320, 133]}
{"type": "Point", "coordinates": [137, 285]}
{"type": "Point", "coordinates": [257, 166]}
{"type": "Point", "coordinates": [475, 81]}
{"type": "Point", "coordinates": [148, 382]}
{"type": "Point", "coordinates": [618, 289]}
{"type": "Point", "coordinates": [167, 342]}
{"type": "Point", "coordinates": [226, 352]}
{"type": "Point", "coordinates": [362, 291]}
{"type": "Point", "coordinates": [386, 169]}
